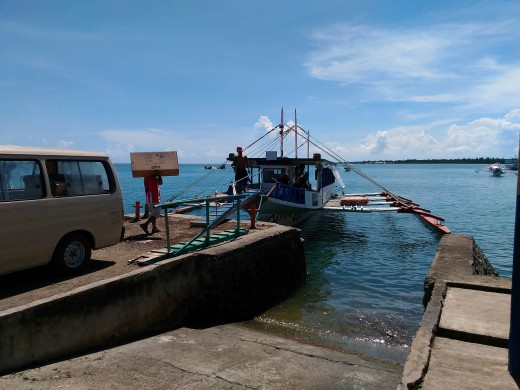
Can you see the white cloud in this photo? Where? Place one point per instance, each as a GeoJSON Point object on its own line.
{"type": "Point", "coordinates": [513, 116]}
{"type": "Point", "coordinates": [498, 91]}
{"type": "Point", "coordinates": [65, 144]}
{"type": "Point", "coordinates": [482, 137]}
{"type": "Point", "coordinates": [263, 124]}
{"type": "Point", "coordinates": [190, 146]}
{"type": "Point", "coordinates": [442, 63]}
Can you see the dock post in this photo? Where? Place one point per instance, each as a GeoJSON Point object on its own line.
{"type": "Point", "coordinates": [514, 329]}
{"type": "Point", "coordinates": [252, 210]}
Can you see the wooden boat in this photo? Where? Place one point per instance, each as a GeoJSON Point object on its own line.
{"type": "Point", "coordinates": [496, 169]}
{"type": "Point", "coordinates": [288, 190]}
{"type": "Point", "coordinates": [283, 192]}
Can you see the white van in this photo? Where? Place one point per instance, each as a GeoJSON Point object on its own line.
{"type": "Point", "coordinates": [56, 206]}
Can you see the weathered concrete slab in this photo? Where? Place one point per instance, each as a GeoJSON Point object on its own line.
{"type": "Point", "coordinates": [229, 282]}
{"type": "Point", "coordinates": [465, 326]}
{"type": "Point", "coordinates": [479, 313]}
{"type": "Point", "coordinates": [461, 365]}
{"type": "Point", "coordinates": [222, 357]}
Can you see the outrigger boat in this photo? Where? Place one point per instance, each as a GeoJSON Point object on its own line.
{"type": "Point", "coordinates": [288, 190]}
{"type": "Point", "coordinates": [282, 191]}
{"type": "Point", "coordinates": [496, 169]}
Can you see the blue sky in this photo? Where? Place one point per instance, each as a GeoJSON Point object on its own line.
{"type": "Point", "coordinates": [370, 79]}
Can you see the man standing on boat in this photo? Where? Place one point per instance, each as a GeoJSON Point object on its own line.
{"type": "Point", "coordinates": [241, 166]}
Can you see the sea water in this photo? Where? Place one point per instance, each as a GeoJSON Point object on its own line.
{"type": "Point", "coordinates": [365, 272]}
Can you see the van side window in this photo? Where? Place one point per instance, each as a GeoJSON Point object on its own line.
{"type": "Point", "coordinates": [76, 178]}
{"type": "Point", "coordinates": [20, 180]}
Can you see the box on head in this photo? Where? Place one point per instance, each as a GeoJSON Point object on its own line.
{"type": "Point", "coordinates": [150, 163]}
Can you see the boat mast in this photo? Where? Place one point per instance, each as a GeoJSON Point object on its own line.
{"type": "Point", "coordinates": [295, 135]}
{"type": "Point", "coordinates": [281, 134]}
{"type": "Point", "coordinates": [308, 143]}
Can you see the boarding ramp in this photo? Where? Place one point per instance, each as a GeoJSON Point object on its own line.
{"type": "Point", "coordinates": [205, 237]}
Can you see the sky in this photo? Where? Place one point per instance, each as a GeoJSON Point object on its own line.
{"type": "Point", "coordinates": [371, 79]}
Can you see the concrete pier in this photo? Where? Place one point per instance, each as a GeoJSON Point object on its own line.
{"type": "Point", "coordinates": [223, 283]}
{"type": "Point", "coordinates": [463, 337]}
{"type": "Point", "coordinates": [132, 331]}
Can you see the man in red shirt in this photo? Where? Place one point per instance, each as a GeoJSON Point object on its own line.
{"type": "Point", "coordinates": [153, 197]}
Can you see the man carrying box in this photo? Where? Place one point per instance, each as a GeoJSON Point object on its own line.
{"type": "Point", "coordinates": [153, 197]}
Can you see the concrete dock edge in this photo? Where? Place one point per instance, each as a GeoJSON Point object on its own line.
{"type": "Point", "coordinates": [458, 262]}
{"type": "Point", "coordinates": [228, 282]}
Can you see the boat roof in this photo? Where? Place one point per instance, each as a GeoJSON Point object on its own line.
{"type": "Point", "coordinates": [286, 161]}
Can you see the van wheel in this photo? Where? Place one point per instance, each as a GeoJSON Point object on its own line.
{"type": "Point", "coordinates": [72, 253]}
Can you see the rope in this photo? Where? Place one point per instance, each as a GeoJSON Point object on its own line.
{"type": "Point", "coordinates": [260, 149]}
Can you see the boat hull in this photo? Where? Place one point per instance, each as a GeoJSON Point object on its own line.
{"type": "Point", "coordinates": [283, 213]}
{"type": "Point", "coordinates": [286, 219]}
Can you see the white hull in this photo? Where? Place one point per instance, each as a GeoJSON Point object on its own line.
{"type": "Point", "coordinates": [291, 214]}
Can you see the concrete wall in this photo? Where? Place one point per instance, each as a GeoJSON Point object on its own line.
{"type": "Point", "coordinates": [227, 282]}
{"type": "Point", "coordinates": [458, 257]}
{"type": "Point", "coordinates": [458, 260]}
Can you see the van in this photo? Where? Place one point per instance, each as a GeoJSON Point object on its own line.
{"type": "Point", "coordinates": [56, 206]}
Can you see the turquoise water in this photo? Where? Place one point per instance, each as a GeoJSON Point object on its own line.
{"type": "Point", "coordinates": [364, 287]}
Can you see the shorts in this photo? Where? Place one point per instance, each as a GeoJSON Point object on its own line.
{"type": "Point", "coordinates": [154, 211]}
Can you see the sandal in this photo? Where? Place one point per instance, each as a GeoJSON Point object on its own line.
{"type": "Point", "coordinates": [143, 226]}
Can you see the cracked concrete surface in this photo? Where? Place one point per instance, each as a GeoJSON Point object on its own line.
{"type": "Point", "coordinates": [221, 357]}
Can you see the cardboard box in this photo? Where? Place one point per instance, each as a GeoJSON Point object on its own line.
{"type": "Point", "coordinates": [149, 163]}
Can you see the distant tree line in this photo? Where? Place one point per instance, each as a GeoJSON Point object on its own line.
{"type": "Point", "coordinates": [478, 160]}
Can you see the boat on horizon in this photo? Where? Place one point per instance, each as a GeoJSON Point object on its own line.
{"type": "Point", "coordinates": [511, 163]}
{"type": "Point", "coordinates": [221, 166]}
{"type": "Point", "coordinates": [496, 169]}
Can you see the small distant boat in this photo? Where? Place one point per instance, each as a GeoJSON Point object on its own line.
{"type": "Point", "coordinates": [222, 166]}
{"type": "Point", "coordinates": [496, 169]}
{"type": "Point", "coordinates": [346, 166]}
{"type": "Point", "coordinates": [512, 164]}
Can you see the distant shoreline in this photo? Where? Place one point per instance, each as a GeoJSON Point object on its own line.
{"type": "Point", "coordinates": [480, 160]}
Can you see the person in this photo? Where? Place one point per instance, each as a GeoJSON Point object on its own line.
{"type": "Point", "coordinates": [303, 181]}
{"type": "Point", "coordinates": [240, 166]}
{"type": "Point", "coordinates": [153, 197]}
{"type": "Point", "coordinates": [284, 177]}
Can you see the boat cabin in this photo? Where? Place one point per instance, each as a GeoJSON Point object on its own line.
{"type": "Point", "coordinates": [296, 180]}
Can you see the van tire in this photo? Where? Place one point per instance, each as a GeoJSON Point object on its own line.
{"type": "Point", "coordinates": [72, 253]}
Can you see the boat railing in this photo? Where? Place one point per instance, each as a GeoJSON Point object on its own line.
{"type": "Point", "coordinates": [289, 193]}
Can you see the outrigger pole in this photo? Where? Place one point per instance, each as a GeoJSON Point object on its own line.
{"type": "Point", "coordinates": [403, 204]}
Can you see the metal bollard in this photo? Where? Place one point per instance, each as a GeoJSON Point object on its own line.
{"type": "Point", "coordinates": [252, 212]}
{"type": "Point", "coordinates": [137, 207]}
